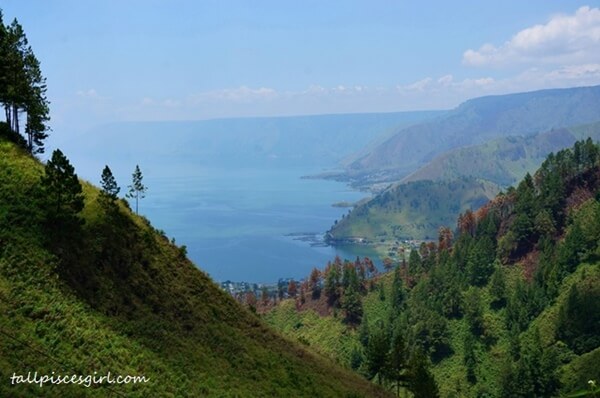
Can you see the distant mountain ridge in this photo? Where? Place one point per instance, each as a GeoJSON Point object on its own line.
{"type": "Point", "coordinates": [474, 122]}
{"type": "Point", "coordinates": [317, 141]}
{"type": "Point", "coordinates": [493, 141]}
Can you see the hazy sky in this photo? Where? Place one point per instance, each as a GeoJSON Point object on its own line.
{"type": "Point", "coordinates": [161, 60]}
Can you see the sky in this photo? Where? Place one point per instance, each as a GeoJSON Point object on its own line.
{"type": "Point", "coordinates": [149, 60]}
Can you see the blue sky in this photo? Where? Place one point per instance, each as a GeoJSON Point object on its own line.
{"type": "Point", "coordinates": [162, 60]}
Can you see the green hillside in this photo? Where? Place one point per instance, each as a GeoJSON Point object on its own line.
{"type": "Point", "coordinates": [101, 290]}
{"type": "Point", "coordinates": [507, 306]}
{"type": "Point", "coordinates": [414, 210]}
{"type": "Point", "coordinates": [428, 198]}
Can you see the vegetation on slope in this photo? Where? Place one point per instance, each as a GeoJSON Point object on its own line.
{"type": "Point", "coordinates": [497, 164]}
{"type": "Point", "coordinates": [503, 161]}
{"type": "Point", "coordinates": [507, 306]}
{"type": "Point", "coordinates": [107, 292]}
{"type": "Point", "coordinates": [89, 289]}
{"type": "Point", "coordinates": [478, 142]}
{"type": "Point", "coordinates": [413, 210]}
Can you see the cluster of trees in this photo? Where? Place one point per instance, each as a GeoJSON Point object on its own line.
{"type": "Point", "coordinates": [387, 355]}
{"type": "Point", "coordinates": [549, 224]}
{"type": "Point", "coordinates": [22, 89]}
{"type": "Point", "coordinates": [554, 214]}
{"type": "Point", "coordinates": [23, 93]}
{"type": "Point", "coordinates": [344, 284]}
{"type": "Point", "coordinates": [63, 200]}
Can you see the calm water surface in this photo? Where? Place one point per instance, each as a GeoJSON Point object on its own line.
{"type": "Point", "coordinates": [254, 225]}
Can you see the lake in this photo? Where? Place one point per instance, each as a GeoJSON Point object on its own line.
{"type": "Point", "coordinates": [230, 189]}
{"type": "Point", "coordinates": [250, 224]}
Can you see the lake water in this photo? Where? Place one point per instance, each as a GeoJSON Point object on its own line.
{"type": "Point", "coordinates": [254, 225]}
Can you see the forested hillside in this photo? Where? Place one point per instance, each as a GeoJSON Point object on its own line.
{"type": "Point", "coordinates": [413, 210]}
{"type": "Point", "coordinates": [505, 305]}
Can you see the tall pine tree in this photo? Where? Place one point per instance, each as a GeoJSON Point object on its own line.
{"type": "Point", "coordinates": [63, 193]}
{"type": "Point", "coordinates": [22, 87]}
{"type": "Point", "coordinates": [110, 189]}
{"type": "Point", "coordinates": [137, 190]}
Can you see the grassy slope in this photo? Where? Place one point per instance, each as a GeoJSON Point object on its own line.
{"type": "Point", "coordinates": [147, 310]}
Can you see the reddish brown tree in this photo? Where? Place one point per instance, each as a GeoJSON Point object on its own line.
{"type": "Point", "coordinates": [388, 263]}
{"type": "Point", "coordinates": [292, 289]}
{"type": "Point", "coordinates": [467, 223]}
{"type": "Point", "coordinates": [444, 239]}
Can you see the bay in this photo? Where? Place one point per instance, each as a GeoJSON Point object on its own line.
{"type": "Point", "coordinates": [251, 224]}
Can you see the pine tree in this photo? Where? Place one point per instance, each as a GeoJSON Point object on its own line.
{"type": "Point", "coordinates": [498, 286]}
{"type": "Point", "coordinates": [63, 193]}
{"type": "Point", "coordinates": [397, 361]}
{"type": "Point", "coordinates": [377, 353]}
{"type": "Point", "coordinates": [363, 331]}
{"type": "Point", "coordinates": [110, 189]}
{"type": "Point", "coordinates": [480, 261]}
{"type": "Point", "coordinates": [421, 382]}
{"type": "Point", "coordinates": [332, 284]}
{"type": "Point", "coordinates": [397, 293]}
{"type": "Point", "coordinates": [137, 189]}
{"type": "Point", "coordinates": [314, 283]}
{"type": "Point", "coordinates": [22, 87]}
{"type": "Point", "coordinates": [415, 264]}
{"type": "Point", "coordinates": [352, 305]}
{"type": "Point", "coordinates": [36, 105]}
{"type": "Point", "coordinates": [292, 289]}
{"type": "Point", "coordinates": [62, 200]}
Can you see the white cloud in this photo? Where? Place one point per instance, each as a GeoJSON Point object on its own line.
{"type": "Point", "coordinates": [90, 93]}
{"type": "Point", "coordinates": [563, 39]}
{"type": "Point", "coordinates": [239, 94]}
{"type": "Point", "coordinates": [419, 85]}
{"type": "Point", "coordinates": [315, 89]}
{"type": "Point", "coordinates": [446, 80]}
{"type": "Point", "coordinates": [432, 92]}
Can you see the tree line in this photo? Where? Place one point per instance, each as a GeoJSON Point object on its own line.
{"type": "Point", "coordinates": [23, 96]}
{"type": "Point", "coordinates": [22, 89]}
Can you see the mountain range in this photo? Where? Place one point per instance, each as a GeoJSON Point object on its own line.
{"type": "Point", "coordinates": [491, 141]}
{"type": "Point", "coordinates": [475, 121]}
